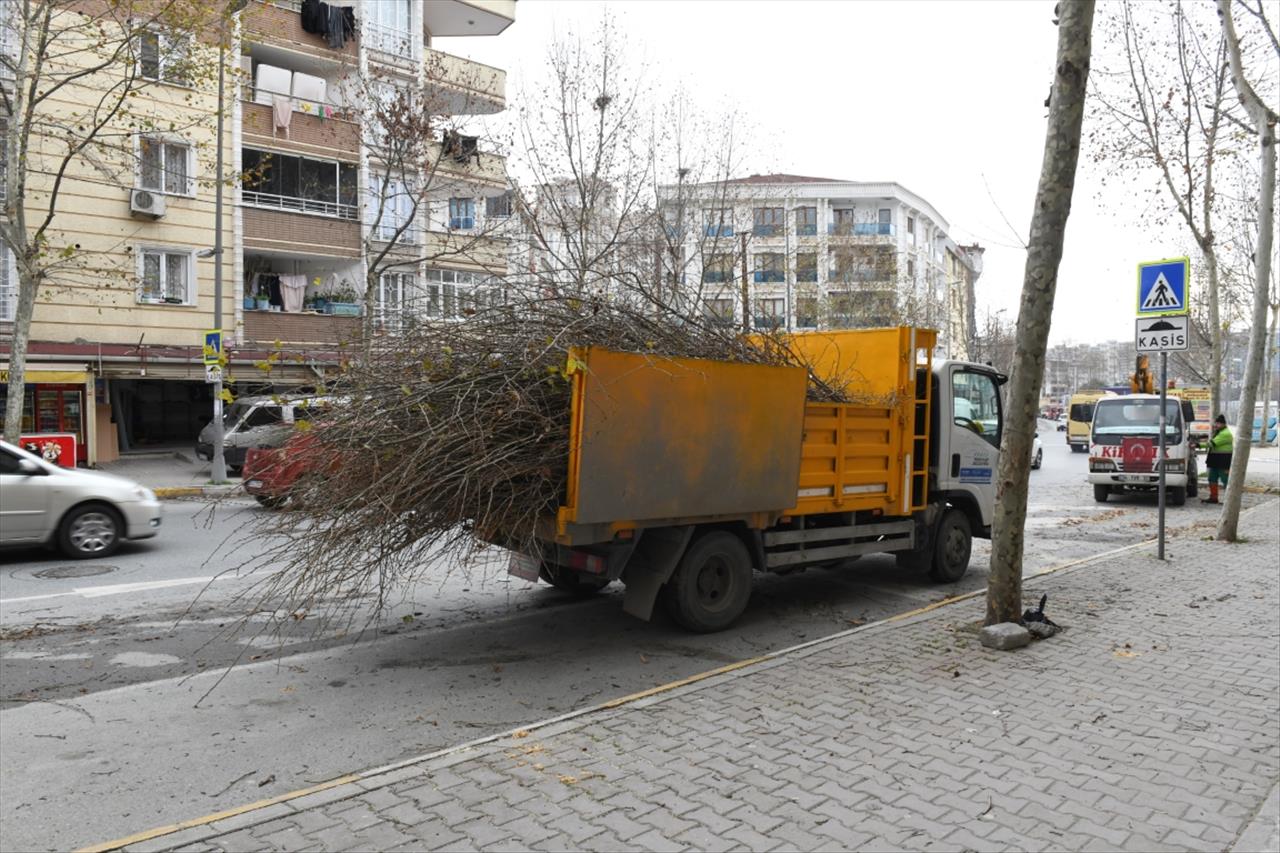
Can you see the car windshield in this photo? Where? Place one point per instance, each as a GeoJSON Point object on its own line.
{"type": "Point", "coordinates": [1125, 417]}
{"type": "Point", "coordinates": [234, 413]}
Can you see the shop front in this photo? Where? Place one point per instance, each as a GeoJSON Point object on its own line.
{"type": "Point", "coordinates": [57, 411]}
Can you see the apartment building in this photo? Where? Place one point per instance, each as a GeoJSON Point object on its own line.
{"type": "Point", "coordinates": [316, 217]}
{"type": "Point", "coordinates": [786, 251]}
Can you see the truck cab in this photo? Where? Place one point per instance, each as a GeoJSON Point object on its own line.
{"type": "Point", "coordinates": [1124, 447]}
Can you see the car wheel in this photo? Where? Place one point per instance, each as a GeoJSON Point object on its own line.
{"type": "Point", "coordinates": [1100, 493]}
{"type": "Point", "coordinates": [574, 583]}
{"type": "Point", "coordinates": [952, 547]}
{"type": "Point", "coordinates": [270, 501]}
{"type": "Point", "coordinates": [92, 530]}
{"type": "Point", "coordinates": [1035, 463]}
{"type": "Point", "coordinates": [711, 585]}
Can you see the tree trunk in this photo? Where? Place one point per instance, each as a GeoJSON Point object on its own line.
{"type": "Point", "coordinates": [1040, 278]}
{"type": "Point", "coordinates": [27, 286]}
{"type": "Point", "coordinates": [1264, 120]}
{"type": "Point", "coordinates": [1215, 333]}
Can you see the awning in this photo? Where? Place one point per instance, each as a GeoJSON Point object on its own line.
{"type": "Point", "coordinates": [39, 375]}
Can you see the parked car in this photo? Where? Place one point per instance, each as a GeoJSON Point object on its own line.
{"type": "Point", "coordinates": [1037, 452]}
{"type": "Point", "coordinates": [272, 473]}
{"type": "Point", "coordinates": [85, 513]}
{"type": "Point", "coordinates": [256, 422]}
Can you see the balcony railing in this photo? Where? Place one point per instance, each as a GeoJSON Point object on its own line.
{"type": "Point", "coordinates": [336, 210]}
{"type": "Point", "coordinates": [769, 277]}
{"type": "Point", "coordinates": [809, 229]}
{"type": "Point", "coordinates": [414, 235]}
{"type": "Point", "coordinates": [860, 229]}
{"type": "Point", "coordinates": [806, 275]}
{"type": "Point", "coordinates": [386, 39]}
{"type": "Point", "coordinates": [718, 231]}
{"type": "Point", "coordinates": [766, 230]}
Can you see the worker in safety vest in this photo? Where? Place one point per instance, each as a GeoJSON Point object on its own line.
{"type": "Point", "coordinates": [1218, 460]}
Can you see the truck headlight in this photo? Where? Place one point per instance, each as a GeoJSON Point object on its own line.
{"type": "Point", "coordinates": [1098, 464]}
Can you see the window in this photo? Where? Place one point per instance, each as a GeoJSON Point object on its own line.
{"type": "Point", "coordinates": [8, 285]}
{"type": "Point", "coordinates": [397, 205]}
{"type": "Point", "coordinates": [165, 276]}
{"type": "Point", "coordinates": [911, 270]}
{"type": "Point", "coordinates": [885, 215]}
{"type": "Point", "coordinates": [806, 266]}
{"type": "Point", "coordinates": [771, 267]}
{"type": "Point", "coordinates": [807, 312]}
{"type": "Point", "coordinates": [844, 224]}
{"type": "Point", "coordinates": [719, 312]}
{"type": "Point", "coordinates": [262, 416]}
{"type": "Point", "coordinates": [976, 402]}
{"type": "Point", "coordinates": [164, 59]}
{"type": "Point", "coordinates": [719, 222]}
{"type": "Point", "coordinates": [843, 309]}
{"type": "Point", "coordinates": [164, 167]}
{"type": "Point", "coordinates": [911, 225]}
{"type": "Point", "coordinates": [770, 313]}
{"type": "Point", "coordinates": [462, 214]}
{"type": "Point", "coordinates": [390, 304]}
{"type": "Point", "coordinates": [386, 26]}
{"type": "Point", "coordinates": [497, 207]}
{"type": "Point", "coordinates": [768, 221]}
{"type": "Point", "coordinates": [289, 182]}
{"type": "Point", "coordinates": [806, 221]}
{"type": "Point", "coordinates": [718, 268]}
{"type": "Point", "coordinates": [453, 294]}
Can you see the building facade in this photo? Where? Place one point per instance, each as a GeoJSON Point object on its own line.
{"type": "Point", "coordinates": [785, 251]}
{"type": "Point", "coordinates": [320, 230]}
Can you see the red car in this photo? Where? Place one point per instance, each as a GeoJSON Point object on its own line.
{"type": "Point", "coordinates": [270, 474]}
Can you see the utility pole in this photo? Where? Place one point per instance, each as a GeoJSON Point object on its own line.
{"type": "Point", "coordinates": [746, 288]}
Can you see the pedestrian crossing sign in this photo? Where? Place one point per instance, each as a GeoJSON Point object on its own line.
{"type": "Point", "coordinates": [1162, 287]}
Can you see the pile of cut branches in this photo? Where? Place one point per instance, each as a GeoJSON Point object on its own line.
{"type": "Point", "coordinates": [458, 430]}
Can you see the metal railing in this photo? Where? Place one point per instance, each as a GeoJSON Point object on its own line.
{"type": "Point", "coordinates": [860, 229]}
{"type": "Point", "coordinates": [334, 209]}
{"type": "Point", "coordinates": [386, 39]}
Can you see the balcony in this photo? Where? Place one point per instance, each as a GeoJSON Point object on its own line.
{"type": "Point", "coordinates": [467, 17]}
{"type": "Point", "coordinates": [279, 23]}
{"type": "Point", "coordinates": [276, 223]}
{"type": "Point", "coordinates": [332, 136]}
{"type": "Point", "coordinates": [860, 229]}
{"type": "Point", "coordinates": [462, 165]}
{"type": "Point", "coordinates": [462, 247]}
{"type": "Point", "coordinates": [717, 231]}
{"type": "Point", "coordinates": [458, 86]}
{"type": "Point", "coordinates": [265, 328]}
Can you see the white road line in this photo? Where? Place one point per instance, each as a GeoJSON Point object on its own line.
{"type": "Point", "coordinates": [112, 589]}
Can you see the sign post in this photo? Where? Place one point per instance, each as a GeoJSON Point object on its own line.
{"type": "Point", "coordinates": [1162, 326]}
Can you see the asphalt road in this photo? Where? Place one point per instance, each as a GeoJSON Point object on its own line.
{"type": "Point", "coordinates": [120, 708]}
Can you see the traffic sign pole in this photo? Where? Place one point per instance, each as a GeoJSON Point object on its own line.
{"type": "Point", "coordinates": [1164, 385]}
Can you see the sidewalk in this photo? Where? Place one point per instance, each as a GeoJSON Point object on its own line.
{"type": "Point", "coordinates": [1152, 723]}
{"type": "Point", "coordinates": [170, 473]}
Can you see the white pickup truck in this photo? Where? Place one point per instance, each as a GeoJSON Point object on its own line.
{"type": "Point", "coordinates": [1124, 446]}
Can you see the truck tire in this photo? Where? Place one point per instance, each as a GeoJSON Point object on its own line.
{"type": "Point", "coordinates": [953, 544]}
{"type": "Point", "coordinates": [711, 584]}
{"type": "Point", "coordinates": [1193, 482]}
{"type": "Point", "coordinates": [1100, 492]}
{"type": "Point", "coordinates": [576, 584]}
{"type": "Point", "coordinates": [1176, 495]}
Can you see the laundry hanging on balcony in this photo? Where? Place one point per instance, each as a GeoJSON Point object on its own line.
{"type": "Point", "coordinates": [281, 114]}
{"type": "Point", "coordinates": [292, 291]}
{"type": "Point", "coordinates": [335, 21]}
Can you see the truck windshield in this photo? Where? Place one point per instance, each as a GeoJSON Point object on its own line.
{"type": "Point", "coordinates": [1082, 412]}
{"type": "Point", "coordinates": [1126, 417]}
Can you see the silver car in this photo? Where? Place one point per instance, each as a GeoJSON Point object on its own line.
{"type": "Point", "coordinates": [85, 513]}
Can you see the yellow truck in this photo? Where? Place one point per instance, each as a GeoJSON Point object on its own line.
{"type": "Point", "coordinates": [686, 476]}
{"type": "Point", "coordinates": [1080, 418]}
{"type": "Point", "coordinates": [1201, 401]}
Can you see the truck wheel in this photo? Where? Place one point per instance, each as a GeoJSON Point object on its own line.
{"type": "Point", "coordinates": [1193, 482]}
{"type": "Point", "coordinates": [1176, 495]}
{"type": "Point", "coordinates": [1100, 492]}
{"type": "Point", "coordinates": [711, 585]}
{"type": "Point", "coordinates": [567, 580]}
{"type": "Point", "coordinates": [952, 547]}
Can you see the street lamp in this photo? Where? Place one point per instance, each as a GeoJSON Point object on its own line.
{"type": "Point", "coordinates": [218, 472]}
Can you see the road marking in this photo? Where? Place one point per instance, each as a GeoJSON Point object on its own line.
{"type": "Point", "coordinates": [114, 589]}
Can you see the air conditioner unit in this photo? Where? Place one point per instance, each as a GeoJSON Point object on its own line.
{"type": "Point", "coordinates": [146, 203]}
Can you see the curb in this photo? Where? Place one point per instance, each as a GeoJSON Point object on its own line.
{"type": "Point", "coordinates": [169, 492]}
{"type": "Point", "coordinates": [195, 830]}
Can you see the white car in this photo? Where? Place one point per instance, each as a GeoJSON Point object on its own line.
{"type": "Point", "coordinates": [85, 513]}
{"type": "Point", "coordinates": [1037, 452]}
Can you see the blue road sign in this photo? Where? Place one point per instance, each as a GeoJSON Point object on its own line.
{"type": "Point", "coordinates": [1162, 287]}
{"type": "Point", "coordinates": [212, 346]}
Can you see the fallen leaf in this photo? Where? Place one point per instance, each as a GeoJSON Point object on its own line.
{"type": "Point", "coordinates": [267, 781]}
{"type": "Point", "coordinates": [643, 659]}
{"type": "Point", "coordinates": [521, 734]}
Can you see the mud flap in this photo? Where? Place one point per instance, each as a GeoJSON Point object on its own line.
{"type": "Point", "coordinates": [651, 565]}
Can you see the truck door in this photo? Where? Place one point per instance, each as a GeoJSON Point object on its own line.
{"type": "Point", "coordinates": [973, 438]}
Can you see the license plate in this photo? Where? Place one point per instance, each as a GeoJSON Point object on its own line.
{"type": "Point", "coordinates": [253, 484]}
{"type": "Point", "coordinates": [1133, 478]}
{"type": "Point", "coordinates": [523, 566]}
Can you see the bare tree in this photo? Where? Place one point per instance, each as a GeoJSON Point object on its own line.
{"type": "Point", "coordinates": [70, 76]}
{"type": "Point", "coordinates": [1264, 119]}
{"type": "Point", "coordinates": [1044, 252]}
{"type": "Point", "coordinates": [1167, 108]}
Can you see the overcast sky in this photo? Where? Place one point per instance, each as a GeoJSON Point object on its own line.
{"type": "Point", "coordinates": [946, 98]}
